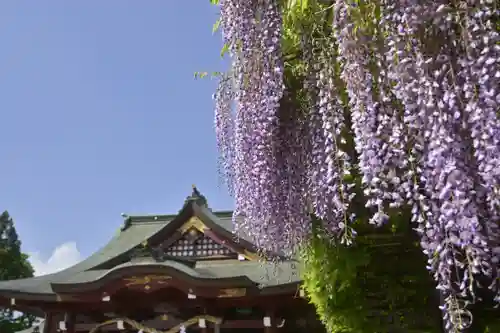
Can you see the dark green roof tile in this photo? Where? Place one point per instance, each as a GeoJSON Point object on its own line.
{"type": "Point", "coordinates": [264, 274]}
{"type": "Point", "coordinates": [123, 242]}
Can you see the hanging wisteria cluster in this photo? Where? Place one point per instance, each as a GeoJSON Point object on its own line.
{"type": "Point", "coordinates": [416, 88]}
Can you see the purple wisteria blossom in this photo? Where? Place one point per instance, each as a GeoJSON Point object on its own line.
{"type": "Point", "coordinates": [417, 89]}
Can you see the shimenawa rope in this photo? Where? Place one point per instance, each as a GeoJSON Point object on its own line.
{"type": "Point", "coordinates": [138, 326]}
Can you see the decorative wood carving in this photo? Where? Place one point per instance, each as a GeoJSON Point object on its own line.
{"type": "Point", "coordinates": [250, 256]}
{"type": "Point", "coordinates": [193, 222]}
{"type": "Point", "coordinates": [232, 292]}
{"type": "Point", "coordinates": [197, 245]}
{"type": "Point", "coordinates": [197, 242]}
{"type": "Point", "coordinates": [147, 282]}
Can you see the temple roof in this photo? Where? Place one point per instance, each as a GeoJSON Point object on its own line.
{"type": "Point", "coordinates": [119, 256]}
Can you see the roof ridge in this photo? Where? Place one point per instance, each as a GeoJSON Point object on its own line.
{"type": "Point", "coordinates": [153, 215]}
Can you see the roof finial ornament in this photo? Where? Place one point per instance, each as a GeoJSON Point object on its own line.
{"type": "Point", "coordinates": [196, 193]}
{"type": "Point", "coordinates": [127, 221]}
{"type": "Point", "coordinates": [197, 197]}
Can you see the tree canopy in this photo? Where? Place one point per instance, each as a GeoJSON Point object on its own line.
{"type": "Point", "coordinates": [361, 112]}
{"type": "Point", "coordinates": [13, 265]}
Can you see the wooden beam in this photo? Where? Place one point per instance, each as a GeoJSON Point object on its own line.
{"type": "Point", "coordinates": [75, 305]}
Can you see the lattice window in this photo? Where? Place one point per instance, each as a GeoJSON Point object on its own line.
{"type": "Point", "coordinates": [200, 247]}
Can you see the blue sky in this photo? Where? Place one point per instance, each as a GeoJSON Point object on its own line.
{"type": "Point", "coordinates": [100, 115]}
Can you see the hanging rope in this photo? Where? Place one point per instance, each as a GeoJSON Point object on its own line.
{"type": "Point", "coordinates": [138, 326]}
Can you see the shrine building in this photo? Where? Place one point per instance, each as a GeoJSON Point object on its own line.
{"type": "Point", "coordinates": [168, 273]}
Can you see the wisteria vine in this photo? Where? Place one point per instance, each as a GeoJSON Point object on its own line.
{"type": "Point", "coordinates": [414, 85]}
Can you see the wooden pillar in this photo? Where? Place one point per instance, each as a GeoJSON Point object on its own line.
{"type": "Point", "coordinates": [48, 324]}
{"type": "Point", "coordinates": [70, 319]}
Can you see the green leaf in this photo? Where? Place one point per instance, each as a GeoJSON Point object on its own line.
{"type": "Point", "coordinates": [216, 25]}
{"type": "Point", "coordinates": [300, 4]}
{"type": "Point", "coordinates": [214, 2]}
{"type": "Point", "coordinates": [343, 285]}
{"type": "Point", "coordinates": [304, 4]}
{"type": "Point", "coordinates": [224, 50]}
{"type": "Point", "coordinates": [200, 75]}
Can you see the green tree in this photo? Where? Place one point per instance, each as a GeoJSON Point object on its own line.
{"type": "Point", "coordinates": [13, 265]}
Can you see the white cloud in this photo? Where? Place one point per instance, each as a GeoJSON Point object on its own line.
{"type": "Point", "coordinates": [63, 256]}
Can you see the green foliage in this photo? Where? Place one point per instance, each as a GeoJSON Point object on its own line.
{"type": "Point", "coordinates": [202, 75]}
{"type": "Point", "coordinates": [216, 25]}
{"type": "Point", "coordinates": [330, 282]}
{"type": "Point", "coordinates": [378, 285]}
{"type": "Point", "coordinates": [13, 265]}
{"type": "Point", "coordinates": [493, 328]}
